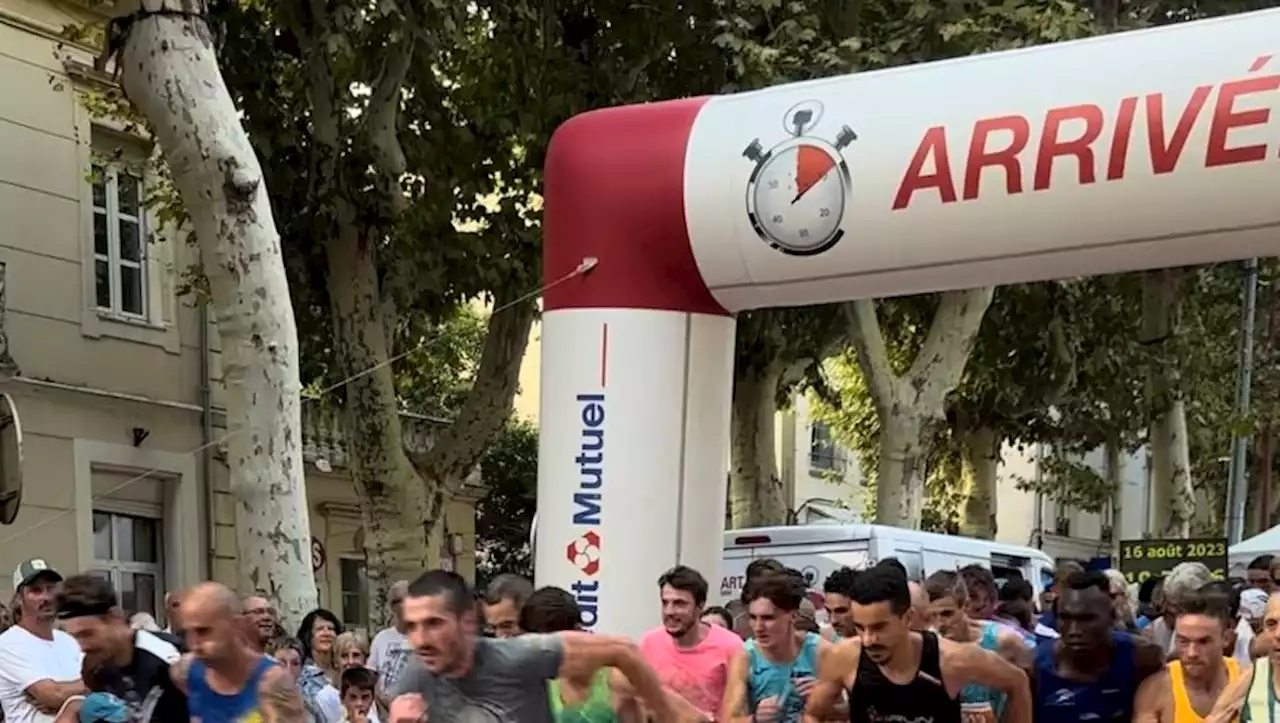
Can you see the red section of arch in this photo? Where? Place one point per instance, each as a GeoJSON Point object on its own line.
{"type": "Point", "coordinates": [614, 190]}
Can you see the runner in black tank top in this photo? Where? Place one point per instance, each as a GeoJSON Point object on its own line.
{"type": "Point", "coordinates": [893, 674]}
{"type": "Point", "coordinates": [876, 699]}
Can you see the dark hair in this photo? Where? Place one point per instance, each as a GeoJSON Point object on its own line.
{"type": "Point", "coordinates": [449, 585]}
{"type": "Point", "coordinates": [550, 610]}
{"type": "Point", "coordinates": [1147, 589]}
{"type": "Point", "coordinates": [686, 579]}
{"type": "Point", "coordinates": [1262, 562]}
{"type": "Point", "coordinates": [840, 582]}
{"type": "Point", "coordinates": [508, 586]}
{"type": "Point", "coordinates": [1087, 580]}
{"type": "Point", "coordinates": [778, 588]}
{"type": "Point", "coordinates": [894, 563]}
{"type": "Point", "coordinates": [798, 578]}
{"type": "Point", "coordinates": [306, 628]}
{"type": "Point", "coordinates": [1016, 609]}
{"type": "Point", "coordinates": [978, 578]}
{"type": "Point", "coordinates": [1219, 599]}
{"type": "Point", "coordinates": [1017, 589]}
{"type": "Point", "coordinates": [757, 569]}
{"type": "Point", "coordinates": [1207, 600]}
{"type": "Point", "coordinates": [359, 679]}
{"type": "Point", "coordinates": [946, 584]}
{"type": "Point", "coordinates": [722, 612]}
{"type": "Point", "coordinates": [883, 583]}
{"type": "Point", "coordinates": [85, 595]}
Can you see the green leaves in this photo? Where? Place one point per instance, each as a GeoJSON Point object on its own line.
{"type": "Point", "coordinates": [504, 516]}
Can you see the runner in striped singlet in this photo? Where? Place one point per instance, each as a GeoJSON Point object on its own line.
{"type": "Point", "coordinates": [1188, 688]}
{"type": "Point", "coordinates": [602, 696]}
{"type": "Point", "coordinates": [1252, 697]}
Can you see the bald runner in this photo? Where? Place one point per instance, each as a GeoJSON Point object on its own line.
{"type": "Point", "coordinates": [225, 678]}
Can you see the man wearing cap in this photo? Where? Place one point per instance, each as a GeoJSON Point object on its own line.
{"type": "Point", "coordinates": [39, 666]}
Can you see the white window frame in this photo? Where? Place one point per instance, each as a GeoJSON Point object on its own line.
{"type": "Point", "coordinates": [111, 173]}
{"type": "Point", "coordinates": [114, 567]}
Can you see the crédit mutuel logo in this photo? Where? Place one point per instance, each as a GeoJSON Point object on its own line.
{"type": "Point", "coordinates": [583, 551]}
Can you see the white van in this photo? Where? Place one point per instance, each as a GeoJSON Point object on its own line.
{"type": "Point", "coordinates": [819, 550]}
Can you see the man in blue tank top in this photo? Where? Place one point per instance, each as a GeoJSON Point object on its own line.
{"type": "Point", "coordinates": [770, 678]}
{"type": "Point", "coordinates": [1092, 672]}
{"type": "Point", "coordinates": [226, 680]}
{"type": "Point", "coordinates": [948, 596]}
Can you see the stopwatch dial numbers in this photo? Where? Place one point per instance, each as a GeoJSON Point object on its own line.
{"type": "Point", "coordinates": [798, 201]}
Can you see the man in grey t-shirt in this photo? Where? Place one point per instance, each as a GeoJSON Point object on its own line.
{"type": "Point", "coordinates": [507, 682]}
{"type": "Point", "coordinates": [457, 677]}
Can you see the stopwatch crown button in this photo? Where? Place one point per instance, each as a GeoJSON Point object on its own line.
{"type": "Point", "coordinates": [846, 137]}
{"type": "Point", "coordinates": [754, 152]}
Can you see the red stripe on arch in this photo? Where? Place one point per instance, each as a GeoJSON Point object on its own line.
{"type": "Point", "coordinates": [604, 356]}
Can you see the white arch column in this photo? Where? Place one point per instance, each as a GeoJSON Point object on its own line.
{"type": "Point", "coordinates": [635, 421]}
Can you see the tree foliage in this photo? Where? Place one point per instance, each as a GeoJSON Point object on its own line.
{"type": "Point", "coordinates": [504, 516]}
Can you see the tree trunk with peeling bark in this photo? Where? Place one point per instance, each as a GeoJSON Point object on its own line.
{"type": "Point", "coordinates": [979, 473]}
{"type": "Point", "coordinates": [169, 70]}
{"type": "Point", "coordinates": [906, 405]}
{"type": "Point", "coordinates": [755, 491]}
{"type": "Point", "coordinates": [1172, 492]}
{"type": "Point", "coordinates": [391, 495]}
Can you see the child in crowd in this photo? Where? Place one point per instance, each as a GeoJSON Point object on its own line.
{"type": "Point", "coordinates": [357, 695]}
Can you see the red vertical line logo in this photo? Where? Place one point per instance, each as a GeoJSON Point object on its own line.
{"type": "Point", "coordinates": [604, 355]}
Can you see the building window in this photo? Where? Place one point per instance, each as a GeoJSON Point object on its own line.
{"type": "Point", "coordinates": [355, 592]}
{"type": "Point", "coordinates": [126, 551]}
{"type": "Point", "coordinates": [824, 453]}
{"type": "Point", "coordinates": [119, 242]}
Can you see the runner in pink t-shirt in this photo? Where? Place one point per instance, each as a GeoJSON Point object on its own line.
{"type": "Point", "coordinates": [691, 657]}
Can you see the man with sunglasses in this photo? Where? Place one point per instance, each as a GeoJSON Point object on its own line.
{"type": "Point", "coordinates": [390, 649]}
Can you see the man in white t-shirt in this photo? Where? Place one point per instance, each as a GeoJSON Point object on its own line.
{"type": "Point", "coordinates": [390, 648]}
{"type": "Point", "coordinates": [39, 666]}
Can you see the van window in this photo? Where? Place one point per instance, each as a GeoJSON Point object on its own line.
{"type": "Point", "coordinates": [1046, 578]}
{"type": "Point", "coordinates": [1004, 574]}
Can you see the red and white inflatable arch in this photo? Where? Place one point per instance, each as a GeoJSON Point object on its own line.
{"type": "Point", "coordinates": [1140, 150]}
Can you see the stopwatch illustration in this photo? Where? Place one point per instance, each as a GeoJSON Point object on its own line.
{"type": "Point", "coordinates": [797, 193]}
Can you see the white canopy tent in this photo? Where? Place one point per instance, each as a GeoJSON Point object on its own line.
{"type": "Point", "coordinates": [1266, 543]}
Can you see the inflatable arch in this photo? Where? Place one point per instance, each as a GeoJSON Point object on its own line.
{"type": "Point", "coordinates": [1138, 150]}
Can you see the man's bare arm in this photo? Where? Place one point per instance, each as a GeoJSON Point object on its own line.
{"type": "Point", "coordinates": [279, 699]}
{"type": "Point", "coordinates": [585, 653]}
{"type": "Point", "coordinates": [625, 695]}
{"type": "Point", "coordinates": [1232, 700]}
{"type": "Point", "coordinates": [964, 664]}
{"type": "Point", "coordinates": [1148, 658]}
{"type": "Point", "coordinates": [1147, 704]}
{"type": "Point", "coordinates": [733, 709]}
{"type": "Point", "coordinates": [1013, 648]}
{"type": "Point", "coordinates": [49, 696]}
{"type": "Point", "coordinates": [837, 672]}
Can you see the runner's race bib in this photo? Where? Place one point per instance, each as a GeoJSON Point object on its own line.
{"type": "Point", "coordinates": [977, 712]}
